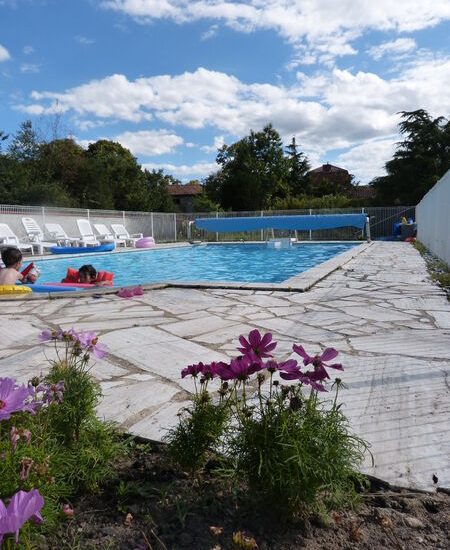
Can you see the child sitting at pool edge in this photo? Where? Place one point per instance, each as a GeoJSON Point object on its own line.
{"type": "Point", "coordinates": [9, 275]}
{"type": "Point", "coordinates": [12, 258]}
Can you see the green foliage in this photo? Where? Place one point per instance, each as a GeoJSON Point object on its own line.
{"type": "Point", "coordinates": [253, 172]}
{"type": "Point", "coordinates": [198, 432]}
{"type": "Point", "coordinates": [296, 452]}
{"type": "Point", "coordinates": [420, 160]}
{"type": "Point", "coordinates": [157, 198]}
{"type": "Point", "coordinates": [292, 452]}
{"type": "Point", "coordinates": [61, 173]}
{"type": "Point", "coordinates": [203, 203]}
{"type": "Point", "coordinates": [68, 451]}
{"type": "Point", "coordinates": [81, 395]}
{"type": "Point", "coordinates": [305, 202]}
{"type": "Point", "coordinates": [438, 270]}
{"type": "Point", "coordinates": [298, 166]}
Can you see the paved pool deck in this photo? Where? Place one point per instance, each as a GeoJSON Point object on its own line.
{"type": "Point", "coordinates": [390, 323]}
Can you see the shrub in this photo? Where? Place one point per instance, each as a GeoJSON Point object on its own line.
{"type": "Point", "coordinates": [51, 443]}
{"type": "Point", "coordinates": [291, 448]}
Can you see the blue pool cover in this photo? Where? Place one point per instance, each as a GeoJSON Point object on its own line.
{"type": "Point", "coordinates": [228, 225]}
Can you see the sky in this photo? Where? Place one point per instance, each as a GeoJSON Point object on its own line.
{"type": "Point", "coordinates": [173, 80]}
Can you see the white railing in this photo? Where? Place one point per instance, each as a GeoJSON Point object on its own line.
{"type": "Point", "coordinates": [170, 227]}
{"type": "Point", "coordinates": [433, 219]}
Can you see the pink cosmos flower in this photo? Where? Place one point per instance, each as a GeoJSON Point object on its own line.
{"type": "Point", "coordinates": [22, 507]}
{"type": "Point", "coordinates": [304, 378]}
{"type": "Point", "coordinates": [14, 398]}
{"type": "Point", "coordinates": [257, 347]}
{"type": "Point", "coordinates": [318, 361]}
{"type": "Point", "coordinates": [192, 370]}
{"type": "Point", "coordinates": [238, 369]}
{"type": "Point", "coordinates": [47, 335]}
{"type": "Point", "coordinates": [290, 365]}
{"type": "Point", "coordinates": [89, 342]}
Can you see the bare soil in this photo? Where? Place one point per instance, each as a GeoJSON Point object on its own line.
{"type": "Point", "coordinates": [154, 506]}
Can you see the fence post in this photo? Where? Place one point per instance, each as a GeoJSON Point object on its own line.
{"type": "Point", "coordinates": [151, 223]}
{"type": "Point", "coordinates": [367, 222]}
{"type": "Point", "coordinates": [175, 225]}
{"type": "Point", "coordinates": [123, 217]}
{"type": "Point", "coordinates": [310, 232]}
{"type": "Point", "coordinates": [262, 230]}
{"type": "Point", "coordinates": [217, 233]}
{"type": "Point", "coordinates": [88, 213]}
{"type": "Point", "coordinates": [43, 216]}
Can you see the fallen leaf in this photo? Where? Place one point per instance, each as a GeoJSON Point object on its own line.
{"type": "Point", "coordinates": [242, 541]}
{"type": "Point", "coordinates": [356, 533]}
{"type": "Point", "coordinates": [128, 520]}
{"type": "Point", "coordinates": [337, 517]}
{"type": "Point", "coordinates": [215, 531]}
{"type": "Point", "coordinates": [386, 523]}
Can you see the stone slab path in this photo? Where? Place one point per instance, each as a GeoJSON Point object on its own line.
{"type": "Point", "coordinates": [390, 323]}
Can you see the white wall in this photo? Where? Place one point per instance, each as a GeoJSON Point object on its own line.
{"type": "Point", "coordinates": [433, 219]}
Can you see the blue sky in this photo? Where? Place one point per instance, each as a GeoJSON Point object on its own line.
{"type": "Point", "coordinates": [174, 79]}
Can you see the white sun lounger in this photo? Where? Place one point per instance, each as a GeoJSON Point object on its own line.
{"type": "Point", "coordinates": [87, 237]}
{"type": "Point", "coordinates": [8, 238]}
{"type": "Point", "coordinates": [105, 235]}
{"type": "Point", "coordinates": [57, 233]}
{"type": "Point", "coordinates": [120, 232]}
{"type": "Point", "coordinates": [36, 235]}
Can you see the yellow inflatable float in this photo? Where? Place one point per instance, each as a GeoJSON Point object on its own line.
{"type": "Point", "coordinates": [14, 289]}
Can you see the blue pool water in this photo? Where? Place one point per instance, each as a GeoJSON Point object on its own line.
{"type": "Point", "coordinates": [233, 262]}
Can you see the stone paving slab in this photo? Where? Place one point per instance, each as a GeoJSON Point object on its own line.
{"type": "Point", "coordinates": [380, 310]}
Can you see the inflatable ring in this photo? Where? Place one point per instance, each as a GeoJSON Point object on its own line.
{"type": "Point", "coordinates": [145, 242]}
{"type": "Point", "coordinates": [14, 289]}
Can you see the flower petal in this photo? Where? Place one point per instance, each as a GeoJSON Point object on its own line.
{"type": "Point", "coordinates": [329, 354]}
{"type": "Point", "coordinates": [300, 350]}
{"type": "Point", "coordinates": [254, 338]}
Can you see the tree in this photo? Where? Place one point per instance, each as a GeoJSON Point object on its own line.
{"type": "Point", "coordinates": [421, 159]}
{"type": "Point", "coordinates": [62, 162]}
{"type": "Point", "coordinates": [25, 144]}
{"type": "Point", "coordinates": [253, 172]}
{"type": "Point", "coordinates": [113, 176]}
{"type": "Point", "coordinates": [157, 198]}
{"type": "Point", "coordinates": [298, 166]}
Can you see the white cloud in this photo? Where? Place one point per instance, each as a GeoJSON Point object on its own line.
{"type": "Point", "coordinates": [149, 142]}
{"type": "Point", "coordinates": [325, 111]}
{"type": "Point", "coordinates": [326, 27]}
{"type": "Point", "coordinates": [368, 159]}
{"type": "Point", "coordinates": [4, 54]}
{"type": "Point", "coordinates": [394, 47]}
{"type": "Point", "coordinates": [184, 172]}
{"type": "Point", "coordinates": [144, 142]}
{"type": "Point", "coordinates": [212, 31]}
{"type": "Point", "coordinates": [217, 144]}
{"type": "Point", "coordinates": [84, 40]}
{"type": "Point", "coordinates": [30, 68]}
{"type": "Point", "coordinates": [28, 50]}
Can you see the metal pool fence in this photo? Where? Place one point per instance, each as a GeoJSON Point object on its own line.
{"type": "Point", "coordinates": [171, 227]}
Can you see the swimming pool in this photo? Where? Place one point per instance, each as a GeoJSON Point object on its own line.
{"type": "Point", "coordinates": [228, 262]}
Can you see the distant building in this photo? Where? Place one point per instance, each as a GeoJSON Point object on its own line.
{"type": "Point", "coordinates": [330, 179]}
{"type": "Point", "coordinates": [183, 195]}
{"type": "Point", "coordinates": [328, 172]}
